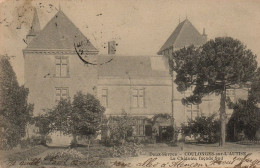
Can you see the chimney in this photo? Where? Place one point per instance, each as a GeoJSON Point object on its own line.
{"type": "Point", "coordinates": [112, 47]}
{"type": "Point", "coordinates": [204, 35]}
{"type": "Point", "coordinates": [35, 28]}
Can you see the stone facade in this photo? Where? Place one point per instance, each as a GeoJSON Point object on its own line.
{"type": "Point", "coordinates": [137, 85]}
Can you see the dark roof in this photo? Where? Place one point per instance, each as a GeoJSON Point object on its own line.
{"type": "Point", "coordinates": [35, 28]}
{"type": "Point", "coordinates": [60, 33]}
{"type": "Point", "coordinates": [185, 34]}
{"type": "Point", "coordinates": [136, 66]}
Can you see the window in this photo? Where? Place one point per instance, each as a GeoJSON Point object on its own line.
{"type": "Point", "coordinates": [104, 97]}
{"type": "Point", "coordinates": [192, 111]}
{"type": "Point", "coordinates": [230, 92]}
{"type": "Point", "coordinates": [139, 129]}
{"type": "Point", "coordinates": [138, 98]}
{"type": "Point", "coordinates": [62, 66]}
{"type": "Point", "coordinates": [62, 93]}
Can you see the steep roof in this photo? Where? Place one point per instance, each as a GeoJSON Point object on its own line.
{"type": "Point", "coordinates": [60, 33]}
{"type": "Point", "coordinates": [185, 34]}
{"type": "Point", "coordinates": [135, 66]}
{"type": "Point", "coordinates": [35, 28]}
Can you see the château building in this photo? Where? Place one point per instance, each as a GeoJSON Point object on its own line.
{"type": "Point", "coordinates": [138, 85]}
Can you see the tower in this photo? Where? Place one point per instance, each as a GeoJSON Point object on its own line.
{"type": "Point", "coordinates": [35, 27]}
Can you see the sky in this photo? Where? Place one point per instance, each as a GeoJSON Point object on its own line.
{"type": "Point", "coordinates": [140, 27]}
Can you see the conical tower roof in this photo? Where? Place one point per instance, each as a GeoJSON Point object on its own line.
{"type": "Point", "coordinates": [185, 34]}
{"type": "Point", "coordinates": [35, 28]}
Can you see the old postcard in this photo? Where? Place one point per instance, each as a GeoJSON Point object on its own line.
{"type": "Point", "coordinates": [133, 83]}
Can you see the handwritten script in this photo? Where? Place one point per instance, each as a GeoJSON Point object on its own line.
{"type": "Point", "coordinates": [245, 161]}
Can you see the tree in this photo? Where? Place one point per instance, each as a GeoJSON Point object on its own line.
{"type": "Point", "coordinates": [246, 113]}
{"type": "Point", "coordinates": [211, 68]}
{"type": "Point", "coordinates": [254, 93]}
{"type": "Point", "coordinates": [120, 128]}
{"type": "Point", "coordinates": [82, 118]}
{"type": "Point", "coordinates": [43, 123]}
{"type": "Point", "coordinates": [86, 116]}
{"type": "Point", "coordinates": [55, 119]}
{"type": "Point", "coordinates": [245, 118]}
{"type": "Point", "coordinates": [205, 128]}
{"type": "Point", "coordinates": [14, 109]}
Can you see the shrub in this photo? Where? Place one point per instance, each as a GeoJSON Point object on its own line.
{"type": "Point", "coordinates": [129, 149]}
{"type": "Point", "coordinates": [61, 157]}
{"type": "Point", "coordinates": [245, 119]}
{"type": "Point", "coordinates": [120, 129]}
{"type": "Point", "coordinates": [203, 128]}
{"type": "Point", "coordinates": [66, 154]}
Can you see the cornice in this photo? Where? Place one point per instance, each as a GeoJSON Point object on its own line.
{"type": "Point", "coordinates": [55, 51]}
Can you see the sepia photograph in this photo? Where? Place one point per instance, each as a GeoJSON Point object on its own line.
{"type": "Point", "coordinates": [129, 83]}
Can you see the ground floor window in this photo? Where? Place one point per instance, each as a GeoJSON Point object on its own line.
{"type": "Point", "coordinates": [139, 127]}
{"type": "Point", "coordinates": [192, 111]}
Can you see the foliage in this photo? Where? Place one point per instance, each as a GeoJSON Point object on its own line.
{"type": "Point", "coordinates": [254, 93]}
{"type": "Point", "coordinates": [80, 118]}
{"type": "Point", "coordinates": [60, 116]}
{"type": "Point", "coordinates": [169, 135]}
{"type": "Point", "coordinates": [86, 116]}
{"type": "Point", "coordinates": [14, 109]}
{"type": "Point", "coordinates": [120, 128]}
{"type": "Point", "coordinates": [65, 154]}
{"type": "Point", "coordinates": [55, 119]}
{"type": "Point", "coordinates": [160, 115]}
{"type": "Point", "coordinates": [205, 129]}
{"type": "Point", "coordinates": [245, 118]}
{"type": "Point", "coordinates": [129, 149]}
{"type": "Point", "coordinates": [246, 113]}
{"type": "Point", "coordinates": [211, 68]}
